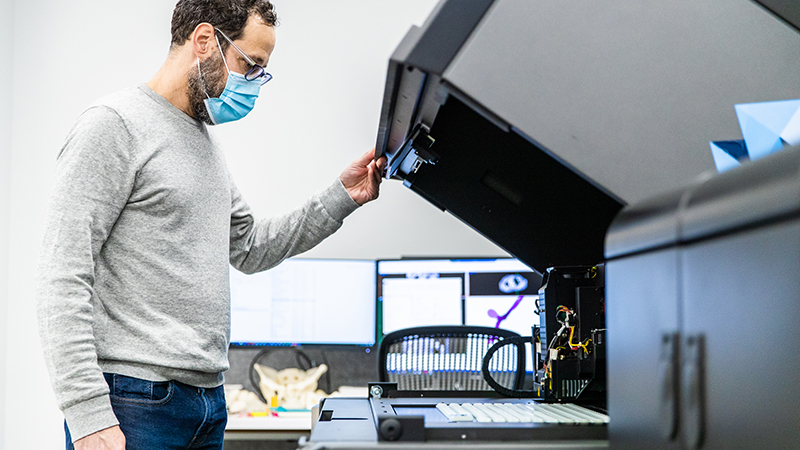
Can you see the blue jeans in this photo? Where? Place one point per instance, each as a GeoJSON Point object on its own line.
{"type": "Point", "coordinates": [166, 415]}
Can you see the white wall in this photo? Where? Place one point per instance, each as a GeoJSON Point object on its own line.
{"type": "Point", "coordinates": [6, 38]}
{"type": "Point", "coordinates": [318, 114]}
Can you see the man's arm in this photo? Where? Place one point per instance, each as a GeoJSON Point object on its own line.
{"type": "Point", "coordinates": [93, 180]}
{"type": "Point", "coordinates": [258, 245]}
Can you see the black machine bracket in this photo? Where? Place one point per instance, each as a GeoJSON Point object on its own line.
{"type": "Point", "coordinates": [401, 428]}
{"type": "Point", "coordinates": [381, 389]}
{"type": "Point", "coordinates": [415, 152]}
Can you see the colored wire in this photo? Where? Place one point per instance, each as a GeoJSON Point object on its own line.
{"type": "Point", "coordinates": [571, 334]}
{"type": "Point", "coordinates": [579, 344]}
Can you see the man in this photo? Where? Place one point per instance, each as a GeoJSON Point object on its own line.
{"type": "Point", "coordinates": [133, 294]}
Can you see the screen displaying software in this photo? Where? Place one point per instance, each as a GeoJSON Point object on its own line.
{"type": "Point", "coordinates": [499, 293]}
{"type": "Point", "coordinates": [305, 301]}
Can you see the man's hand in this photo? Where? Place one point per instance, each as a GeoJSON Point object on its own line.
{"type": "Point", "coordinates": [108, 439]}
{"type": "Point", "coordinates": [362, 178]}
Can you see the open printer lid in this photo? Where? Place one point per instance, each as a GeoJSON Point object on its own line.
{"type": "Point", "coordinates": [536, 122]}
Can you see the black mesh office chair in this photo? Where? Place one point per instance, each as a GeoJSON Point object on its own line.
{"type": "Point", "coordinates": [449, 358]}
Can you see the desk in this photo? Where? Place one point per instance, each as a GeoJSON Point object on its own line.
{"type": "Point", "coordinates": [278, 432]}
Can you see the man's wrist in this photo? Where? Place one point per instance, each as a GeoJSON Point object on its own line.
{"type": "Point", "coordinates": [337, 201]}
{"type": "Point", "coordinates": [90, 416]}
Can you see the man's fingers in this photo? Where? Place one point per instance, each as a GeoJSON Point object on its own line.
{"type": "Point", "coordinates": [380, 166]}
{"type": "Point", "coordinates": [367, 157]}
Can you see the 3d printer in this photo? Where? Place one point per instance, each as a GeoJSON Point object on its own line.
{"type": "Point", "coordinates": [536, 123]}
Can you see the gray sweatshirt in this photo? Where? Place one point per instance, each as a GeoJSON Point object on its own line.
{"type": "Point", "coordinates": [143, 222]}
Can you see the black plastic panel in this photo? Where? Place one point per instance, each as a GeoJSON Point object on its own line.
{"type": "Point", "coordinates": [447, 32]}
{"type": "Point", "coordinates": [788, 10]}
{"type": "Point", "coordinates": [513, 192]}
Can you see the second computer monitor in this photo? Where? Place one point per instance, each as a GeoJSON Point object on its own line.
{"type": "Point", "coordinates": [499, 293]}
{"type": "Point", "coordinates": [305, 301]}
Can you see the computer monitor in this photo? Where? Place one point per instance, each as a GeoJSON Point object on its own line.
{"type": "Point", "coordinates": [305, 302]}
{"type": "Point", "coordinates": [497, 292]}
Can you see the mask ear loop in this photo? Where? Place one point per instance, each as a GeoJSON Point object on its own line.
{"type": "Point", "coordinates": [221, 52]}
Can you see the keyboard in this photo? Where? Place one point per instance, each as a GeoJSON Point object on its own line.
{"type": "Point", "coordinates": [528, 412]}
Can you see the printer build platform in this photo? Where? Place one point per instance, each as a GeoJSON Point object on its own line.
{"type": "Point", "coordinates": [465, 422]}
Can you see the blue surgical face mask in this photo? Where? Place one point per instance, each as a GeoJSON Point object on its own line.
{"type": "Point", "coordinates": [238, 98]}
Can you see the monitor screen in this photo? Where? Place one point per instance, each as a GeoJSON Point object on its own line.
{"type": "Point", "coordinates": [305, 301]}
{"type": "Point", "coordinates": [500, 293]}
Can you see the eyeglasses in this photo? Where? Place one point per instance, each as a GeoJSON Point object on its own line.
{"type": "Point", "coordinates": [256, 72]}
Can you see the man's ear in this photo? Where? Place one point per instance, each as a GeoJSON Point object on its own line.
{"type": "Point", "coordinates": [203, 40]}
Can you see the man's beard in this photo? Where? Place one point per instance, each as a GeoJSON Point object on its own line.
{"type": "Point", "coordinates": [208, 81]}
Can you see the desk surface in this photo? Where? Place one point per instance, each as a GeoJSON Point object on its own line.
{"type": "Point", "coordinates": [290, 421]}
{"type": "Point", "coordinates": [269, 429]}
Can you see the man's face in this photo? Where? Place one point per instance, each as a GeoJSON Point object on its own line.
{"type": "Point", "coordinates": [257, 42]}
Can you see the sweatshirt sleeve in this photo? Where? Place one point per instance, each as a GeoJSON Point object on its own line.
{"type": "Point", "coordinates": [258, 245]}
{"type": "Point", "coordinates": [94, 177]}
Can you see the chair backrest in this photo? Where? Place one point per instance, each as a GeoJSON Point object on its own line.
{"type": "Point", "coordinates": [449, 358]}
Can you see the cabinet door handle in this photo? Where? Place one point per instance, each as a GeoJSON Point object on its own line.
{"type": "Point", "coordinates": [693, 391]}
{"type": "Point", "coordinates": [668, 365]}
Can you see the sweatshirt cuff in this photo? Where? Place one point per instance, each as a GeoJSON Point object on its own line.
{"type": "Point", "coordinates": [337, 202]}
{"type": "Point", "coordinates": [90, 417]}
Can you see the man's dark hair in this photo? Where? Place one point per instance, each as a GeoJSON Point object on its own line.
{"type": "Point", "coordinates": [230, 16]}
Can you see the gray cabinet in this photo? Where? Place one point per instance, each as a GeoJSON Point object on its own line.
{"type": "Point", "coordinates": [741, 307]}
{"type": "Point", "coordinates": [642, 321]}
{"type": "Point", "coordinates": [703, 312]}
